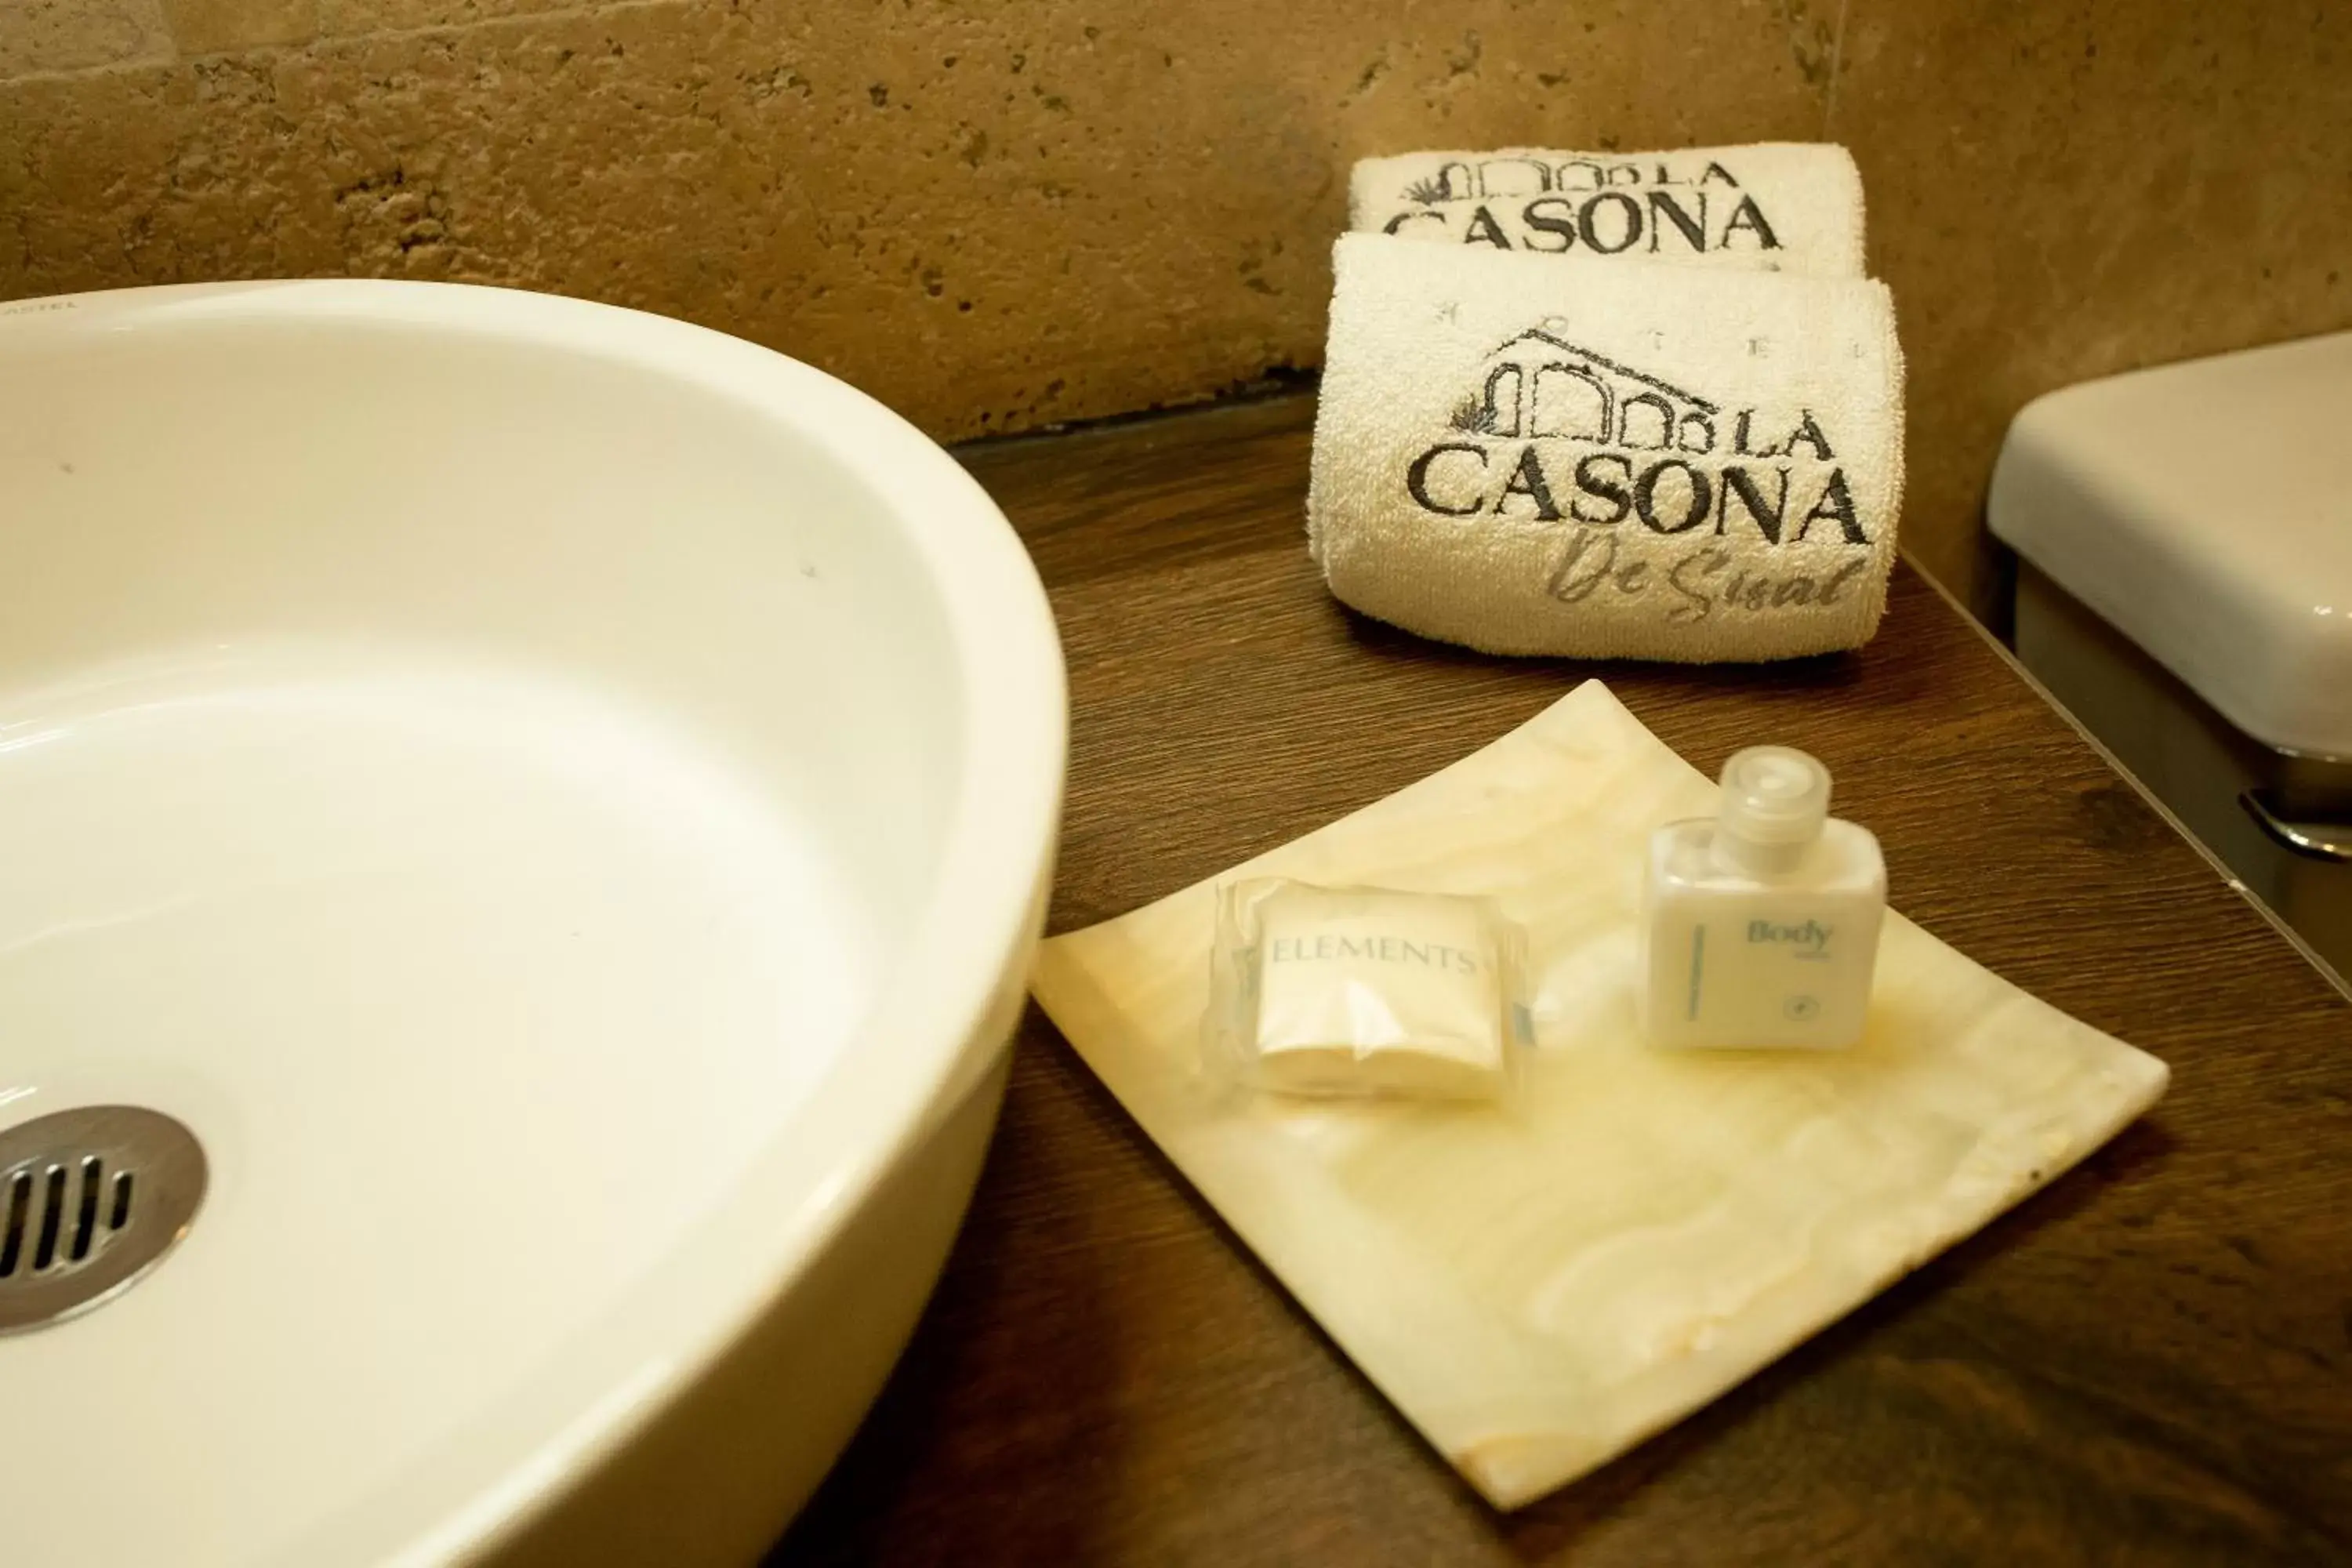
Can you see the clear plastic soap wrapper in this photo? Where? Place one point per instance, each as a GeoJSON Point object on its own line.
{"type": "Point", "coordinates": [1364, 992]}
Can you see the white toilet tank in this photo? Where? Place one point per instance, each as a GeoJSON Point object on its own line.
{"type": "Point", "coordinates": [2185, 588]}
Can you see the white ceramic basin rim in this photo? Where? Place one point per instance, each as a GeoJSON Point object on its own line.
{"type": "Point", "coordinates": [725, 640]}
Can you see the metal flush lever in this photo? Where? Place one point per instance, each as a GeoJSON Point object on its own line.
{"type": "Point", "coordinates": [2319, 840]}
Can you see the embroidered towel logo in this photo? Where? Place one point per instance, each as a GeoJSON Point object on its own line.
{"type": "Point", "coordinates": [1626, 462]}
{"type": "Point", "coordinates": [1580, 203]}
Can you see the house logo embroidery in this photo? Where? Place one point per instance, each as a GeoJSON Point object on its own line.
{"type": "Point", "coordinates": [1658, 490]}
{"type": "Point", "coordinates": [1527, 203]}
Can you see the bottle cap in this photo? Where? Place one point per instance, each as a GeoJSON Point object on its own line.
{"type": "Point", "coordinates": [1774, 797]}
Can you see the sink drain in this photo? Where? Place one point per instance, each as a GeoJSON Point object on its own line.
{"type": "Point", "coordinates": [90, 1200]}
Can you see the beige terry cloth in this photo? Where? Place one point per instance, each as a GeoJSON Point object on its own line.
{"type": "Point", "coordinates": [1774, 206]}
{"type": "Point", "coordinates": [1543, 455]}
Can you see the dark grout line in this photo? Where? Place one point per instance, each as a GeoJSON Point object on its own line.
{"type": "Point", "coordinates": [1277, 384]}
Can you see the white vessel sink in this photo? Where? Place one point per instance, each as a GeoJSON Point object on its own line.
{"type": "Point", "coordinates": [557, 803]}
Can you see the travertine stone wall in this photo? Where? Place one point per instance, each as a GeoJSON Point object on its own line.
{"type": "Point", "coordinates": [999, 215]}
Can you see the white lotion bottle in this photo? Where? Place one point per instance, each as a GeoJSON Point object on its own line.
{"type": "Point", "coordinates": [1760, 926]}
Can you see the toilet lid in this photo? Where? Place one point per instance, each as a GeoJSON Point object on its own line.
{"type": "Point", "coordinates": [2205, 511]}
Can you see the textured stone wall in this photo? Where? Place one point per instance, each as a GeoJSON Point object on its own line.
{"type": "Point", "coordinates": [999, 215]}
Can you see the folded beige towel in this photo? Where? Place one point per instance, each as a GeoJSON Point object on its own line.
{"type": "Point", "coordinates": [1785, 206]}
{"type": "Point", "coordinates": [1546, 455]}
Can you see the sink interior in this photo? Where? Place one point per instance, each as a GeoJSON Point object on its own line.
{"type": "Point", "coordinates": [475, 790]}
{"type": "Point", "coordinates": [460, 975]}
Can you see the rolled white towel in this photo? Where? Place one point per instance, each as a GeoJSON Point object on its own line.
{"type": "Point", "coordinates": [1776, 207]}
{"type": "Point", "coordinates": [1543, 455]}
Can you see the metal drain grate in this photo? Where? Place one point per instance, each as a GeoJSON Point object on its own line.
{"type": "Point", "coordinates": [90, 1200]}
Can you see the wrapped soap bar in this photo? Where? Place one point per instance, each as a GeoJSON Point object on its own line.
{"type": "Point", "coordinates": [1343, 992]}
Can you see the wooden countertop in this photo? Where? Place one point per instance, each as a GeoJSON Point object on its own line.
{"type": "Point", "coordinates": [2151, 1362]}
